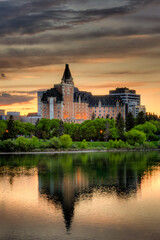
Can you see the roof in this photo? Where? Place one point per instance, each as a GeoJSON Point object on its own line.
{"type": "Point", "coordinates": [93, 101]}
{"type": "Point", "coordinates": [32, 114]}
{"type": "Point", "coordinates": [67, 77]}
{"type": "Point", "coordinates": [53, 92]}
{"type": "Point", "coordinates": [122, 90]}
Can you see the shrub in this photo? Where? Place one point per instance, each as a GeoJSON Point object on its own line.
{"type": "Point", "coordinates": [121, 144]}
{"type": "Point", "coordinates": [9, 145]}
{"type": "Point", "coordinates": [66, 141]}
{"type": "Point", "coordinates": [149, 145]}
{"type": "Point", "coordinates": [55, 143]}
{"type": "Point", "coordinates": [83, 144]}
{"type": "Point", "coordinates": [135, 136]}
{"type": "Point", "coordinates": [111, 144]}
{"type": "Point", "coordinates": [137, 145]}
{"type": "Point", "coordinates": [22, 144]}
{"type": "Point", "coordinates": [33, 143]}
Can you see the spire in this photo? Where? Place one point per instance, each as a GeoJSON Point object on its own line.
{"type": "Point", "coordinates": [67, 77]}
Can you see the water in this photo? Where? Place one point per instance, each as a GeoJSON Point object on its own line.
{"type": "Point", "coordinates": [80, 196]}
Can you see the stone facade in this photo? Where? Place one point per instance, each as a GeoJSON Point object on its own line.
{"type": "Point", "coordinates": [66, 102]}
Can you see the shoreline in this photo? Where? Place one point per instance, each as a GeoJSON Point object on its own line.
{"type": "Point", "coordinates": [80, 151]}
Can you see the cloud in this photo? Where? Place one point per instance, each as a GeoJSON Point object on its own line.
{"type": "Point", "coordinates": [17, 17]}
{"type": "Point", "coordinates": [10, 99]}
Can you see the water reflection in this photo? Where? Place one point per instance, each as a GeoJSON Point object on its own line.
{"type": "Point", "coordinates": [67, 179]}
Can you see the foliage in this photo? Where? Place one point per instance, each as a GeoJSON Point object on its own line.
{"type": "Point", "coordinates": [83, 144]}
{"type": "Point", "coordinates": [66, 141]}
{"type": "Point", "coordinates": [60, 129]}
{"type": "Point", "coordinates": [120, 125]}
{"type": "Point", "coordinates": [55, 143]}
{"type": "Point", "coordinates": [10, 131]}
{"type": "Point", "coordinates": [141, 118]}
{"type": "Point", "coordinates": [149, 145]}
{"type": "Point", "coordinates": [148, 128]}
{"type": "Point", "coordinates": [47, 128]}
{"type": "Point", "coordinates": [3, 127]}
{"type": "Point", "coordinates": [22, 144]}
{"type": "Point", "coordinates": [135, 136]}
{"type": "Point", "coordinates": [130, 121]}
{"type": "Point", "coordinates": [8, 146]}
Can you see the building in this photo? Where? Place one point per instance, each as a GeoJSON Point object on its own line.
{"type": "Point", "coordinates": [129, 97]}
{"type": "Point", "coordinates": [68, 103]}
{"type": "Point", "coordinates": [2, 114]}
{"type": "Point", "coordinates": [13, 113]}
{"type": "Point", "coordinates": [32, 118]}
{"type": "Point", "coordinates": [138, 109]}
{"type": "Point", "coordinates": [39, 97]}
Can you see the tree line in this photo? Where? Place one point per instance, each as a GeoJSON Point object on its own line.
{"type": "Point", "coordinates": [92, 130]}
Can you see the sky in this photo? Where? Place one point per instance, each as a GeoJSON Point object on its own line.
{"type": "Point", "coordinates": [107, 43]}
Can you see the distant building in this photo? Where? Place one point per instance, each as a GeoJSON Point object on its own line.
{"type": "Point", "coordinates": [2, 112]}
{"type": "Point", "coordinates": [33, 118]}
{"type": "Point", "coordinates": [13, 113]}
{"type": "Point", "coordinates": [39, 103]}
{"type": "Point", "coordinates": [138, 109]}
{"type": "Point", "coordinates": [66, 102]}
{"type": "Point", "coordinates": [129, 97]}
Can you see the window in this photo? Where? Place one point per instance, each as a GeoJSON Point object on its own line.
{"type": "Point", "coordinates": [99, 110]}
{"type": "Point", "coordinates": [99, 114]}
{"type": "Point", "coordinates": [58, 116]}
{"type": "Point", "coordinates": [58, 111]}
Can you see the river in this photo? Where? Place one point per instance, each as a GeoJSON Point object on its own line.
{"type": "Point", "coordinates": [81, 196]}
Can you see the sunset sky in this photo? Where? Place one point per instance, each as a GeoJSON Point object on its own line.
{"type": "Point", "coordinates": [108, 44]}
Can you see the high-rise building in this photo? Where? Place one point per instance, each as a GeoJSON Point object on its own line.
{"type": "Point", "coordinates": [129, 97]}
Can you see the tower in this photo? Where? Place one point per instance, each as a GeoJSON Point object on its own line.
{"type": "Point", "coordinates": [68, 94]}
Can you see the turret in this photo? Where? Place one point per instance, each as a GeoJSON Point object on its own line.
{"type": "Point", "coordinates": [67, 77]}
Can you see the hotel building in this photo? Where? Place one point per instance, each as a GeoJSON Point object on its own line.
{"type": "Point", "coordinates": [68, 103]}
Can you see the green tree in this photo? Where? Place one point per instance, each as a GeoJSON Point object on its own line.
{"type": "Point", "coordinates": [148, 128]}
{"type": "Point", "coordinates": [130, 121]}
{"type": "Point", "coordinates": [3, 127]}
{"type": "Point", "coordinates": [66, 141]}
{"type": "Point", "coordinates": [107, 131]}
{"type": "Point", "coordinates": [61, 129]}
{"type": "Point", "coordinates": [120, 125]}
{"type": "Point", "coordinates": [10, 131]}
{"type": "Point", "coordinates": [141, 118]}
{"type": "Point", "coordinates": [135, 136]}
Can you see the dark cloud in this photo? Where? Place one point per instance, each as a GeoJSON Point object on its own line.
{"type": "Point", "coordinates": [107, 48]}
{"type": "Point", "coordinates": [38, 16]}
{"type": "Point", "coordinates": [9, 99]}
{"type": "Point", "coordinates": [3, 75]}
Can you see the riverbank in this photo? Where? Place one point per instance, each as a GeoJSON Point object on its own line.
{"type": "Point", "coordinates": [80, 151]}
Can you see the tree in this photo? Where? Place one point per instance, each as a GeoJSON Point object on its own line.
{"type": "Point", "coordinates": [93, 116]}
{"type": "Point", "coordinates": [107, 132]}
{"type": "Point", "coordinates": [3, 127]}
{"type": "Point", "coordinates": [135, 136]}
{"type": "Point", "coordinates": [66, 141]}
{"type": "Point", "coordinates": [10, 131]}
{"type": "Point", "coordinates": [120, 125]}
{"type": "Point", "coordinates": [61, 129]}
{"type": "Point", "coordinates": [130, 121]}
{"type": "Point", "coordinates": [148, 128]}
{"type": "Point", "coordinates": [141, 118]}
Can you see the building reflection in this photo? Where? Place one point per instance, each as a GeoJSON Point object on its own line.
{"type": "Point", "coordinates": [67, 179]}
